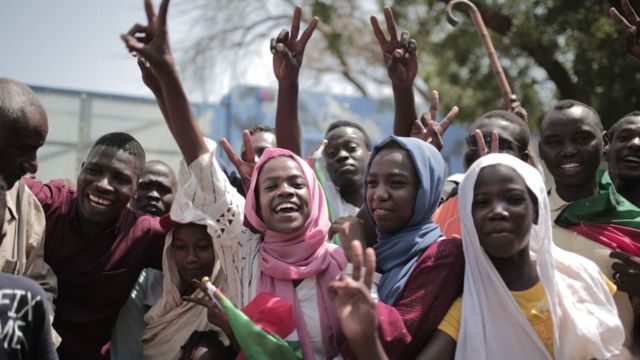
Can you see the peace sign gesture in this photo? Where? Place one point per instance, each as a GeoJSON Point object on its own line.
{"type": "Point", "coordinates": [400, 55]}
{"type": "Point", "coordinates": [630, 23]}
{"type": "Point", "coordinates": [151, 42]}
{"type": "Point", "coordinates": [288, 50]}
{"type": "Point", "coordinates": [428, 129]}
{"type": "Point", "coordinates": [244, 168]}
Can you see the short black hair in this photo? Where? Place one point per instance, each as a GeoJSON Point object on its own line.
{"type": "Point", "coordinates": [261, 129]}
{"type": "Point", "coordinates": [614, 128]}
{"type": "Point", "coordinates": [125, 142]}
{"type": "Point", "coordinates": [567, 104]}
{"type": "Point", "coordinates": [523, 133]}
{"type": "Point", "coordinates": [346, 123]}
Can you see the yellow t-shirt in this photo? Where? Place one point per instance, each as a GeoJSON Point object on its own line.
{"type": "Point", "coordinates": [534, 305]}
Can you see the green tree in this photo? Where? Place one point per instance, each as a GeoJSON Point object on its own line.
{"type": "Point", "coordinates": [550, 49]}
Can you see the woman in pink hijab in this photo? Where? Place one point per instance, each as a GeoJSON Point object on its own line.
{"type": "Point", "coordinates": [285, 253]}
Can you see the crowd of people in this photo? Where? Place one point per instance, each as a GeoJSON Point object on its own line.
{"type": "Point", "coordinates": [357, 251]}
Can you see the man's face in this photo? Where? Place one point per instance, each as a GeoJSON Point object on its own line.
{"type": "Point", "coordinates": [508, 137]}
{"type": "Point", "coordinates": [624, 151]}
{"type": "Point", "coordinates": [19, 142]}
{"type": "Point", "coordinates": [571, 146]}
{"type": "Point", "coordinates": [106, 183]}
{"type": "Point", "coordinates": [156, 190]}
{"type": "Point", "coordinates": [260, 141]}
{"type": "Point", "coordinates": [346, 155]}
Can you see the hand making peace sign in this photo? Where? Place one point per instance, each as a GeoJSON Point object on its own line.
{"type": "Point", "coordinates": [428, 129]}
{"type": "Point", "coordinates": [244, 168]}
{"type": "Point", "coordinates": [288, 50]}
{"type": "Point", "coordinates": [400, 55]}
{"type": "Point", "coordinates": [630, 23]}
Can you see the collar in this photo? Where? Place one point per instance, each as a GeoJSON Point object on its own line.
{"type": "Point", "coordinates": [11, 197]}
{"type": "Point", "coordinates": [556, 204]}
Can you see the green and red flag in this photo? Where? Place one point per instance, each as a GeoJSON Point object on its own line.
{"type": "Point", "coordinates": [264, 329]}
{"type": "Point", "coordinates": [605, 217]}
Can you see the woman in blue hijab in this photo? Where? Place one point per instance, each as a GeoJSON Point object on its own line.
{"type": "Point", "coordinates": [422, 272]}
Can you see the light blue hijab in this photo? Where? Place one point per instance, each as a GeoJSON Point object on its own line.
{"type": "Point", "coordinates": [398, 253]}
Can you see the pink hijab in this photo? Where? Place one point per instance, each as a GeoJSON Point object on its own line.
{"type": "Point", "coordinates": [299, 255]}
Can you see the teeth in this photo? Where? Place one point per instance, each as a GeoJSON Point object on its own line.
{"type": "Point", "coordinates": [570, 166]}
{"type": "Point", "coordinates": [99, 202]}
{"type": "Point", "coordinates": [380, 211]}
{"type": "Point", "coordinates": [284, 206]}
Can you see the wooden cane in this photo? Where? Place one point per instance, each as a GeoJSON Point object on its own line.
{"type": "Point", "coordinates": [507, 95]}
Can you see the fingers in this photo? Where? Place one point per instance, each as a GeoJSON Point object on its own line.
{"type": "Point", "coordinates": [482, 147]}
{"type": "Point", "coordinates": [391, 24]}
{"type": "Point", "coordinates": [272, 46]}
{"type": "Point", "coordinates": [283, 36]}
{"type": "Point", "coordinates": [495, 141]}
{"type": "Point", "coordinates": [356, 259]}
{"type": "Point", "coordinates": [202, 287]}
{"type": "Point", "coordinates": [435, 104]}
{"type": "Point", "coordinates": [162, 14]}
{"type": "Point", "coordinates": [452, 115]}
{"type": "Point", "coordinates": [624, 257]}
{"type": "Point", "coordinates": [295, 23]}
{"type": "Point", "coordinates": [629, 13]}
{"type": "Point", "coordinates": [248, 147]}
{"type": "Point", "coordinates": [418, 127]}
{"type": "Point", "coordinates": [377, 30]}
{"type": "Point", "coordinates": [404, 39]}
{"type": "Point", "coordinates": [306, 35]}
{"type": "Point", "coordinates": [148, 9]}
{"type": "Point", "coordinates": [412, 47]}
{"type": "Point", "coordinates": [619, 19]}
{"type": "Point", "coordinates": [137, 29]}
{"type": "Point", "coordinates": [285, 53]}
{"type": "Point", "coordinates": [370, 267]}
{"type": "Point", "coordinates": [323, 144]}
{"type": "Point", "coordinates": [132, 44]}
{"type": "Point", "coordinates": [233, 157]}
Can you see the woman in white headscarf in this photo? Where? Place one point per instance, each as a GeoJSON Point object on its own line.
{"type": "Point", "coordinates": [523, 297]}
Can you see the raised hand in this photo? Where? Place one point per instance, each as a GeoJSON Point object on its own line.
{"type": "Point", "coordinates": [428, 129]}
{"type": "Point", "coordinates": [354, 306]}
{"type": "Point", "coordinates": [482, 146]}
{"type": "Point", "coordinates": [151, 42]}
{"type": "Point", "coordinates": [399, 54]}
{"type": "Point", "coordinates": [626, 272]}
{"type": "Point", "coordinates": [349, 229]}
{"type": "Point", "coordinates": [516, 108]}
{"type": "Point", "coordinates": [244, 168]}
{"type": "Point", "coordinates": [630, 23]}
{"type": "Point", "coordinates": [288, 50]}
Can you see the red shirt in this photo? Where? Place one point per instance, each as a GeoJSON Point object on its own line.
{"type": "Point", "coordinates": [95, 276]}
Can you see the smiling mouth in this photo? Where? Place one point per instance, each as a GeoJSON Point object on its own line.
{"type": "Point", "coordinates": [99, 202]}
{"type": "Point", "coordinates": [571, 167]}
{"type": "Point", "coordinates": [286, 208]}
{"type": "Point", "coordinates": [632, 159]}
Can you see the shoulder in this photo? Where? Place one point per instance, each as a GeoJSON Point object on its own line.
{"type": "Point", "coordinates": [445, 248]}
{"type": "Point", "coordinates": [20, 284]}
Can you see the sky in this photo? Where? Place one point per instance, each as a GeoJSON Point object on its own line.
{"type": "Point", "coordinates": [75, 44]}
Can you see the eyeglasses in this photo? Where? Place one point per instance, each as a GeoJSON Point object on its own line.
{"type": "Point", "coordinates": [504, 144]}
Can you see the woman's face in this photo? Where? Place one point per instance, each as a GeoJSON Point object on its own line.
{"type": "Point", "coordinates": [503, 211]}
{"type": "Point", "coordinates": [193, 252]}
{"type": "Point", "coordinates": [392, 186]}
{"type": "Point", "coordinates": [283, 195]}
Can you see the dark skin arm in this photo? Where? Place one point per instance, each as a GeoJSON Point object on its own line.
{"type": "Point", "coordinates": [155, 50]}
{"type": "Point", "coordinates": [440, 346]}
{"type": "Point", "coordinates": [629, 23]}
{"type": "Point", "coordinates": [401, 59]}
{"type": "Point", "coordinates": [288, 52]}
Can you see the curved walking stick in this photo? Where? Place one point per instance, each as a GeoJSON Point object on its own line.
{"type": "Point", "coordinates": [486, 43]}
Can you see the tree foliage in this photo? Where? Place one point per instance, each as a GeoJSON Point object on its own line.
{"type": "Point", "coordinates": [550, 49]}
